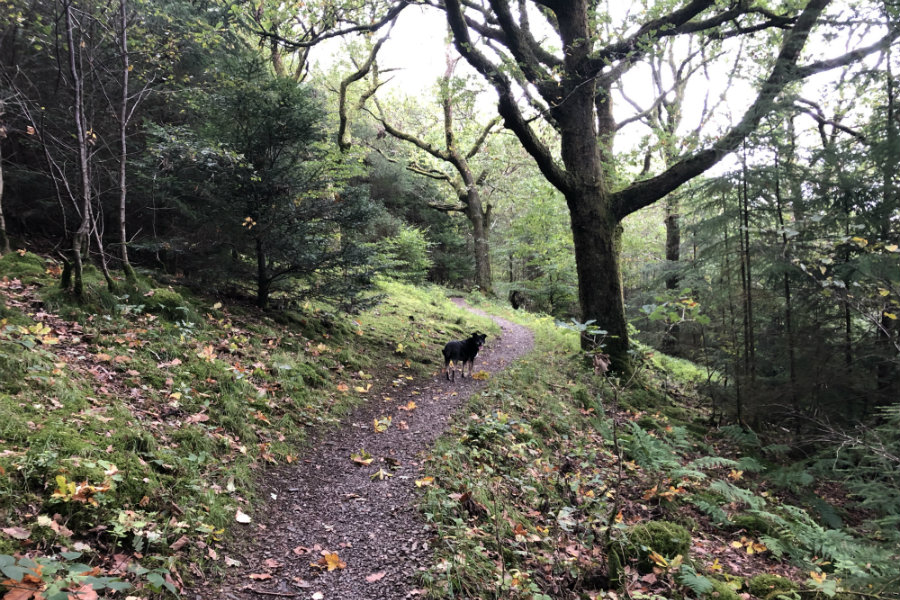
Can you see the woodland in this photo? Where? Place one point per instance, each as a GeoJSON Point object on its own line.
{"type": "Point", "coordinates": [222, 222]}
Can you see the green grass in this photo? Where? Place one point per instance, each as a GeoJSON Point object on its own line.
{"type": "Point", "coordinates": [143, 415]}
{"type": "Point", "coordinates": [530, 497]}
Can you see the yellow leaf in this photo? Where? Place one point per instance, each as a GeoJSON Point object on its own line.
{"type": "Point", "coordinates": [382, 424]}
{"type": "Point", "coordinates": [425, 481]}
{"type": "Point", "coordinates": [409, 406]}
{"type": "Point", "coordinates": [381, 474]}
{"type": "Point", "coordinates": [736, 475]}
{"type": "Point", "coordinates": [330, 561]}
{"type": "Point", "coordinates": [399, 348]}
{"type": "Point", "coordinates": [343, 387]}
{"type": "Point", "coordinates": [362, 457]}
{"type": "Point", "coordinates": [737, 545]}
{"type": "Point", "coordinates": [891, 316]}
{"type": "Point", "coordinates": [892, 248]}
{"type": "Point", "coordinates": [818, 577]}
{"type": "Point", "coordinates": [658, 559]}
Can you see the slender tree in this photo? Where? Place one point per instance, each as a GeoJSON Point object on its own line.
{"type": "Point", "coordinates": [461, 176]}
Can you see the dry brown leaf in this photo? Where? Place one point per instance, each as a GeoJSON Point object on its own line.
{"type": "Point", "coordinates": [179, 543]}
{"type": "Point", "coordinates": [260, 576]}
{"type": "Point", "coordinates": [84, 592]}
{"type": "Point", "coordinates": [375, 577]}
{"type": "Point", "coordinates": [19, 533]}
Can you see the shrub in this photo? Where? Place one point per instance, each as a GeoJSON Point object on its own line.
{"type": "Point", "coordinates": [768, 587]}
{"type": "Point", "coordinates": [640, 541]}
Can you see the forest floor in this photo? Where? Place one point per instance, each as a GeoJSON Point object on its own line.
{"type": "Point", "coordinates": [327, 527]}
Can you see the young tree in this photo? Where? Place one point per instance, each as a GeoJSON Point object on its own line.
{"type": "Point", "coordinates": [271, 200]}
{"type": "Point", "coordinates": [460, 174]}
{"type": "Point", "coordinates": [569, 84]}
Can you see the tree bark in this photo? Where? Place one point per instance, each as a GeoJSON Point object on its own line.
{"type": "Point", "coordinates": [82, 235]}
{"type": "Point", "coordinates": [4, 239]}
{"type": "Point", "coordinates": [263, 281]}
{"type": "Point", "coordinates": [597, 244]}
{"type": "Point", "coordinates": [123, 147]}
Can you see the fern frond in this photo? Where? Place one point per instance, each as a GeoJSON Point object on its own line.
{"type": "Point", "coordinates": [686, 473]}
{"type": "Point", "coordinates": [689, 578]}
{"type": "Point", "coordinates": [733, 493]}
{"type": "Point", "coordinates": [750, 465]}
{"type": "Point", "coordinates": [714, 511]}
{"type": "Point", "coordinates": [712, 462]}
{"type": "Point", "coordinates": [741, 436]}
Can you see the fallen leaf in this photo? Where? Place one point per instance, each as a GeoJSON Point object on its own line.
{"type": "Point", "coordinates": [381, 474]}
{"type": "Point", "coordinates": [318, 596]}
{"type": "Point", "coordinates": [362, 458]}
{"type": "Point", "coordinates": [84, 592]}
{"type": "Point", "coordinates": [330, 561]}
{"type": "Point", "coordinates": [241, 517]}
{"type": "Point", "coordinates": [260, 576]}
{"type": "Point", "coordinates": [19, 533]}
{"type": "Point", "coordinates": [179, 543]}
{"type": "Point", "coordinates": [425, 481]}
{"type": "Point", "coordinates": [375, 576]}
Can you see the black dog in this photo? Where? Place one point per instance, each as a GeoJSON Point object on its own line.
{"type": "Point", "coordinates": [462, 352]}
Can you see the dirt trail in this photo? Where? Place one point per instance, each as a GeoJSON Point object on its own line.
{"type": "Point", "coordinates": [326, 502]}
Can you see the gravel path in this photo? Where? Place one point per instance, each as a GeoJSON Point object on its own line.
{"type": "Point", "coordinates": [325, 502]}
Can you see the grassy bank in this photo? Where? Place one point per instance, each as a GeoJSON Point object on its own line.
{"type": "Point", "coordinates": [559, 483]}
{"type": "Point", "coordinates": [133, 425]}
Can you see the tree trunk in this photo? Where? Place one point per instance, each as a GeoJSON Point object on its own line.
{"type": "Point", "coordinates": [81, 237]}
{"type": "Point", "coordinates": [4, 239]}
{"type": "Point", "coordinates": [597, 239]}
{"type": "Point", "coordinates": [263, 282]}
{"type": "Point", "coordinates": [123, 154]}
{"type": "Point", "coordinates": [788, 300]}
{"type": "Point", "coordinates": [476, 216]}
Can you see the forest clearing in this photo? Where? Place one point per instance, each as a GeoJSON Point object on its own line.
{"type": "Point", "coordinates": [233, 247]}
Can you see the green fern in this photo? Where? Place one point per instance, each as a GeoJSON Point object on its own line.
{"type": "Point", "coordinates": [715, 512]}
{"type": "Point", "coordinates": [750, 465]}
{"type": "Point", "coordinates": [712, 462]}
{"type": "Point", "coordinates": [651, 453]}
{"type": "Point", "coordinates": [733, 493]}
{"type": "Point", "coordinates": [686, 473]}
{"type": "Point", "coordinates": [739, 435]}
{"type": "Point", "coordinates": [697, 583]}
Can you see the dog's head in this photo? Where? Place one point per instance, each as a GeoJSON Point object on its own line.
{"type": "Point", "coordinates": [478, 338]}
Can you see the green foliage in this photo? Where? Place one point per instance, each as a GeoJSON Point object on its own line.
{"type": "Point", "coordinates": [405, 255]}
{"type": "Point", "coordinates": [769, 587]}
{"type": "Point", "coordinates": [60, 574]}
{"type": "Point", "coordinates": [639, 542]}
{"type": "Point", "coordinates": [260, 196]}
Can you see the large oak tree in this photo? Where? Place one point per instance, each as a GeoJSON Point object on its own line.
{"type": "Point", "coordinates": [564, 71]}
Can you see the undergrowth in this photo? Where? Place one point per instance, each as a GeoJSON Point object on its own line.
{"type": "Point", "coordinates": [133, 424]}
{"type": "Point", "coordinates": [548, 480]}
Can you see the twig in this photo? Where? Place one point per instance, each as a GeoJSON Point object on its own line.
{"type": "Point", "coordinates": [280, 594]}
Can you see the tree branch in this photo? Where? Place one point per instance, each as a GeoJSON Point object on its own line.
{"type": "Point", "coordinates": [507, 106]}
{"type": "Point", "coordinates": [646, 192]}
